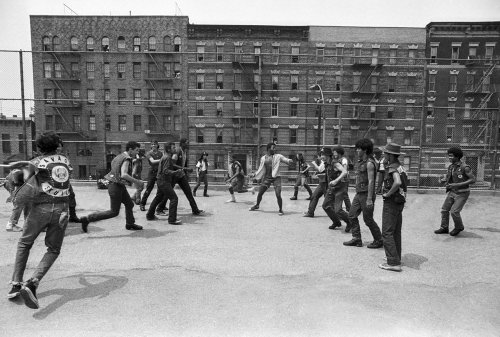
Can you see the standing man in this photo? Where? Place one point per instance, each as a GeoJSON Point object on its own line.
{"type": "Point", "coordinates": [201, 174]}
{"type": "Point", "coordinates": [269, 173]}
{"type": "Point", "coordinates": [153, 156]}
{"type": "Point", "coordinates": [364, 199]}
{"type": "Point", "coordinates": [119, 177]}
{"type": "Point", "coordinates": [166, 173]}
{"type": "Point", "coordinates": [47, 190]}
{"type": "Point", "coordinates": [394, 194]}
{"type": "Point", "coordinates": [457, 180]}
{"type": "Point", "coordinates": [319, 191]}
{"type": "Point", "coordinates": [337, 186]}
{"type": "Point", "coordinates": [236, 178]}
{"type": "Point", "coordinates": [339, 155]}
{"type": "Point", "coordinates": [180, 162]}
{"type": "Point", "coordinates": [136, 173]}
{"type": "Point", "coordinates": [302, 175]}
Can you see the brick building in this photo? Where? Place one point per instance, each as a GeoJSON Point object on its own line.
{"type": "Point", "coordinates": [13, 144]}
{"type": "Point", "coordinates": [462, 100]}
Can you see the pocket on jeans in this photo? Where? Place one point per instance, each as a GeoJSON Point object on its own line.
{"type": "Point", "coordinates": [63, 219]}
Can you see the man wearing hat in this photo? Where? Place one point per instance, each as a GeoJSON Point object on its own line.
{"type": "Point", "coordinates": [394, 194]}
{"type": "Point", "coordinates": [153, 156]}
{"type": "Point", "coordinates": [364, 199]}
{"type": "Point", "coordinates": [201, 173]}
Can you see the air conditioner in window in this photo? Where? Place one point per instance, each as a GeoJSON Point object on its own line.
{"type": "Point", "coordinates": [147, 131]}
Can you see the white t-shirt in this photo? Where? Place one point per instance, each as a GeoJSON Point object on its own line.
{"type": "Point", "coordinates": [202, 166]}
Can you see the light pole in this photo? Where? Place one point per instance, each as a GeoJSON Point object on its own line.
{"type": "Point", "coordinates": [320, 112]}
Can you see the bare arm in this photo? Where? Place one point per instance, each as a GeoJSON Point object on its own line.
{"type": "Point", "coordinates": [371, 183]}
{"type": "Point", "coordinates": [395, 185]}
{"type": "Point", "coordinates": [471, 180]}
{"type": "Point", "coordinates": [343, 173]}
{"type": "Point", "coordinates": [128, 177]}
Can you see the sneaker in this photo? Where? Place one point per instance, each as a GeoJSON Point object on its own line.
{"type": "Point", "coordinates": [176, 222]}
{"type": "Point", "coordinates": [387, 266]}
{"type": "Point", "coordinates": [293, 198]}
{"type": "Point", "coordinates": [85, 224]}
{"type": "Point", "coordinates": [28, 293]}
{"type": "Point", "coordinates": [133, 227]}
{"type": "Point", "coordinates": [375, 244]}
{"type": "Point", "coordinates": [441, 230]}
{"type": "Point", "coordinates": [308, 215]}
{"type": "Point", "coordinates": [348, 227]}
{"type": "Point", "coordinates": [335, 226]}
{"type": "Point", "coordinates": [355, 242]}
{"type": "Point", "coordinates": [206, 195]}
{"type": "Point", "coordinates": [142, 208]}
{"type": "Point", "coordinates": [280, 212]}
{"type": "Point", "coordinates": [151, 218]}
{"type": "Point", "coordinates": [13, 227]}
{"type": "Point", "coordinates": [15, 290]}
{"type": "Point", "coordinates": [198, 212]}
{"type": "Point", "coordinates": [456, 231]}
{"type": "Point", "coordinates": [161, 213]}
{"type": "Point", "coordinates": [254, 208]}
{"type": "Point", "coordinates": [231, 200]}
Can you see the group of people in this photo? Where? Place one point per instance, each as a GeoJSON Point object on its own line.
{"type": "Point", "coordinates": [41, 188]}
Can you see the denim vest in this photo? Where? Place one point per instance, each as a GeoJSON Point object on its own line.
{"type": "Point", "coordinates": [362, 174]}
{"type": "Point", "coordinates": [456, 174]}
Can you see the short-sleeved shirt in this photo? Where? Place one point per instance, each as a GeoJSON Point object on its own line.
{"type": "Point", "coordinates": [202, 165]}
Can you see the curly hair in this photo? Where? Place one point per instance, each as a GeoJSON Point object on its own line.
{"type": "Point", "coordinates": [365, 144]}
{"type": "Point", "coordinates": [339, 150]}
{"type": "Point", "coordinates": [456, 151]}
{"type": "Point", "coordinates": [48, 142]}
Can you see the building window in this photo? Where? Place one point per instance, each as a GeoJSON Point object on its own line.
{"type": "Point", "coordinates": [408, 137]}
{"type": "Point", "coordinates": [199, 136]}
{"type": "Point", "coordinates": [152, 123]}
{"type": "Point", "coordinates": [373, 111]}
{"type": "Point", "coordinates": [472, 52]}
{"type": "Point", "coordinates": [453, 82]}
{"type": "Point", "coordinates": [295, 54]}
{"type": "Point", "coordinates": [47, 44]}
{"type": "Point", "coordinates": [466, 133]}
{"type": "Point", "coordinates": [432, 82]}
{"type": "Point", "coordinates": [375, 56]}
{"type": "Point", "coordinates": [137, 97]}
{"type": "Point", "coordinates": [469, 86]}
{"type": "Point", "coordinates": [200, 81]}
{"type": "Point", "coordinates": [488, 54]}
{"type": "Point", "coordinates": [454, 54]}
{"type": "Point", "coordinates": [136, 44]}
{"type": "Point", "coordinates": [391, 83]}
{"type": "Point", "coordinates": [219, 109]}
{"type": "Point", "coordinates": [255, 109]}
{"type": "Point", "coordinates": [219, 136]}
{"type": "Point", "coordinates": [200, 53]}
{"type": "Point", "coordinates": [90, 70]}
{"type": "Point", "coordinates": [49, 125]}
{"type": "Point", "coordinates": [47, 70]}
{"type": "Point", "coordinates": [428, 133]}
{"type": "Point", "coordinates": [122, 96]}
{"type": "Point", "coordinates": [59, 123]}
{"type": "Point", "coordinates": [467, 108]}
{"type": "Point", "coordinates": [389, 136]}
{"type": "Point", "coordinates": [200, 107]}
{"type": "Point", "coordinates": [355, 110]}
{"type": "Point", "coordinates": [340, 54]}
{"type": "Point", "coordinates": [219, 81]}
{"type": "Point", "coordinates": [411, 56]}
{"type": "Point", "coordinates": [293, 109]}
{"type": "Point", "coordinates": [256, 51]}
{"type": "Point", "coordinates": [177, 44]}
{"type": "Point", "coordinates": [137, 123]}
{"type": "Point", "coordinates": [295, 82]}
{"type": "Point", "coordinates": [274, 109]}
{"type": "Point", "coordinates": [167, 94]}
{"type": "Point", "coordinates": [449, 133]}
{"type": "Point", "coordinates": [58, 96]}
{"type": "Point", "coordinates": [357, 55]}
{"type": "Point", "coordinates": [152, 96]}
{"type": "Point", "coordinates": [106, 70]}
{"type": "Point", "coordinates": [107, 123]}
{"type": "Point", "coordinates": [275, 82]}
{"type": "Point", "coordinates": [237, 108]}
{"type": "Point", "coordinates": [409, 111]}
{"type": "Point", "coordinates": [485, 86]}
{"type": "Point", "coordinates": [77, 122]}
{"type": "Point", "coordinates": [75, 96]}
{"type": "Point", "coordinates": [390, 111]}
{"type": "Point", "coordinates": [90, 43]}
{"type": "Point", "coordinates": [107, 96]}
{"type": "Point", "coordinates": [238, 51]}
{"type": "Point", "coordinates": [105, 44]}
{"type": "Point", "coordinates": [219, 161]}
{"type": "Point", "coordinates": [430, 109]}
{"type": "Point", "coordinates": [219, 52]}
{"type": "Point", "coordinates": [48, 96]}
{"type": "Point", "coordinates": [92, 123]}
{"type": "Point", "coordinates": [293, 136]}
{"type": "Point", "coordinates": [121, 69]}
{"type": "Point", "coordinates": [374, 83]}
{"type": "Point", "coordinates": [392, 56]}
{"type": "Point", "coordinates": [338, 80]}
{"type": "Point", "coordinates": [451, 110]}
{"type": "Point", "coordinates": [90, 96]}
{"type": "Point", "coordinates": [167, 68]}
{"type": "Point", "coordinates": [121, 43]}
{"type": "Point", "coordinates": [177, 70]}
{"type": "Point", "coordinates": [6, 147]}
{"type": "Point", "coordinates": [57, 70]}
{"type": "Point", "coordinates": [411, 84]}
{"type": "Point", "coordinates": [320, 55]}
{"type": "Point", "coordinates": [177, 123]}
{"type": "Point", "coordinates": [74, 43]}
{"type": "Point", "coordinates": [434, 51]}
{"type": "Point", "coordinates": [122, 123]}
{"type": "Point", "coordinates": [136, 70]}
{"type": "Point", "coordinates": [152, 43]}
{"type": "Point", "coordinates": [276, 54]}
{"type": "Point", "coordinates": [356, 80]}
{"type": "Point", "coordinates": [177, 94]}
{"type": "Point", "coordinates": [152, 70]}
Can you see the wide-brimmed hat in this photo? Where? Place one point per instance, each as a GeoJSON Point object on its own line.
{"type": "Point", "coordinates": [327, 151]}
{"type": "Point", "coordinates": [392, 148]}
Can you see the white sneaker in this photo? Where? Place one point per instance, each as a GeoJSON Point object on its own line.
{"type": "Point", "coordinates": [13, 227]}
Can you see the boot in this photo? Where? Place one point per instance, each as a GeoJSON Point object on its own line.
{"type": "Point", "coordinates": [295, 193]}
{"type": "Point", "coordinates": [72, 215]}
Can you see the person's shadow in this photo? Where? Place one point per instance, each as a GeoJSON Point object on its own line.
{"type": "Point", "coordinates": [89, 290]}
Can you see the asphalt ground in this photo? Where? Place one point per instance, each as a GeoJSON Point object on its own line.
{"type": "Point", "coordinates": [233, 272]}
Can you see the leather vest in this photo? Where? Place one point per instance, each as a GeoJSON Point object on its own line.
{"type": "Point", "coordinates": [362, 175]}
{"type": "Point", "coordinates": [115, 175]}
{"type": "Point", "coordinates": [456, 174]}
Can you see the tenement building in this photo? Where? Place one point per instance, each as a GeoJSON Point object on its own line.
{"type": "Point", "coordinates": [14, 145]}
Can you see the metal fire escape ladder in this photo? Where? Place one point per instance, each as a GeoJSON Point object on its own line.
{"type": "Point", "coordinates": [158, 66]}
{"type": "Point", "coordinates": [487, 74]}
{"type": "Point", "coordinates": [157, 119]}
{"type": "Point", "coordinates": [375, 68]}
{"type": "Point", "coordinates": [373, 121]}
{"type": "Point", "coordinates": [486, 127]}
{"type": "Point", "coordinates": [151, 83]}
{"type": "Point", "coordinates": [62, 65]}
{"type": "Point", "coordinates": [81, 134]}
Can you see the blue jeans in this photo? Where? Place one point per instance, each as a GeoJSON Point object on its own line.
{"type": "Point", "coordinates": [118, 195]}
{"type": "Point", "coordinates": [453, 204]}
{"type": "Point", "coordinates": [54, 217]}
{"type": "Point", "coordinates": [319, 191]}
{"type": "Point", "coordinates": [333, 204]}
{"type": "Point", "coordinates": [392, 221]}
{"type": "Point", "coordinates": [359, 206]}
{"type": "Point", "coordinates": [164, 192]}
{"type": "Point", "coordinates": [202, 178]}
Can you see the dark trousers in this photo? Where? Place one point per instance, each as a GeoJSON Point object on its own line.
{"type": "Point", "coordinates": [359, 206]}
{"type": "Point", "coordinates": [118, 195]}
{"type": "Point", "coordinates": [333, 204]}
{"type": "Point", "coordinates": [301, 181]}
{"type": "Point", "coordinates": [392, 220]}
{"type": "Point", "coordinates": [184, 185]}
{"type": "Point", "coordinates": [318, 193]}
{"type": "Point", "coordinates": [149, 186]}
{"type": "Point", "coordinates": [202, 177]}
{"type": "Point", "coordinates": [164, 192]}
{"type": "Point", "coordinates": [453, 205]}
{"type": "Point", "coordinates": [345, 197]}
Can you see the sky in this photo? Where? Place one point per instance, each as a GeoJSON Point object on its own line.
{"type": "Point", "coordinates": [15, 28]}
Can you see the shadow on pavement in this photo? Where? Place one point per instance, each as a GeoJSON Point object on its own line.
{"type": "Point", "coordinates": [145, 233]}
{"type": "Point", "coordinates": [488, 229]}
{"type": "Point", "coordinates": [465, 235]}
{"type": "Point", "coordinates": [89, 290]}
{"type": "Point", "coordinates": [413, 261]}
{"type": "Point", "coordinates": [76, 229]}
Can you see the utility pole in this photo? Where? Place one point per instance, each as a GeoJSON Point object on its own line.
{"type": "Point", "coordinates": [25, 139]}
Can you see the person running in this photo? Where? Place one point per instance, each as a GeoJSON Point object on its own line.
{"type": "Point", "coordinates": [166, 173]}
{"type": "Point", "coordinates": [136, 173]}
{"type": "Point", "coordinates": [201, 174]}
{"type": "Point", "coordinates": [394, 195]}
{"type": "Point", "coordinates": [339, 155]}
{"type": "Point", "coordinates": [180, 162]}
{"type": "Point", "coordinates": [337, 186]}
{"type": "Point", "coordinates": [13, 181]}
{"type": "Point", "coordinates": [236, 178]}
{"type": "Point", "coordinates": [47, 191]}
{"type": "Point", "coordinates": [119, 177]}
{"type": "Point", "coordinates": [153, 156]}
{"type": "Point", "coordinates": [458, 179]}
{"type": "Point", "coordinates": [269, 173]}
{"type": "Point", "coordinates": [302, 175]}
{"type": "Point", "coordinates": [320, 189]}
{"type": "Point", "coordinates": [364, 199]}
